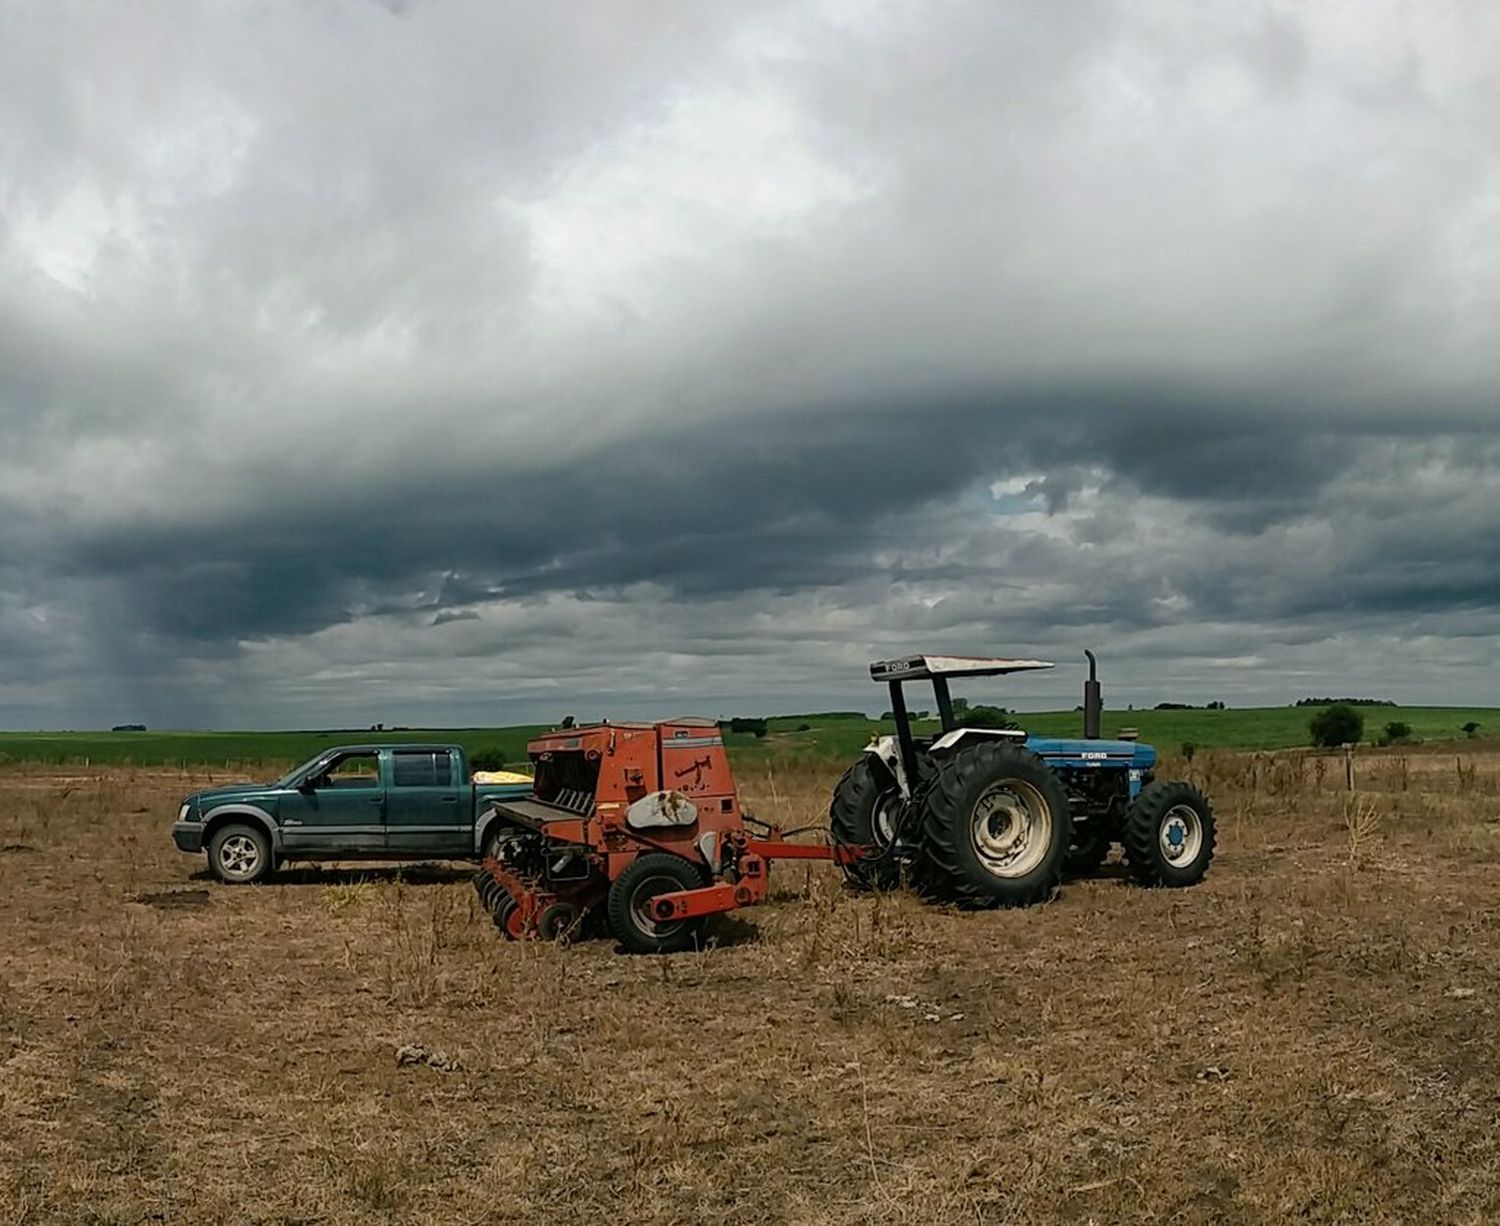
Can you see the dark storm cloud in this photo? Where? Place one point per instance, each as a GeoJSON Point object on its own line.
{"type": "Point", "coordinates": [347, 351]}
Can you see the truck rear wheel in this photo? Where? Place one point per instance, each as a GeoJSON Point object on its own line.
{"type": "Point", "coordinates": [863, 813]}
{"type": "Point", "coordinates": [628, 905]}
{"type": "Point", "coordinates": [997, 827]}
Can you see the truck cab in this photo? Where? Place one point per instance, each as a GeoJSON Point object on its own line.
{"type": "Point", "coordinates": [384, 801]}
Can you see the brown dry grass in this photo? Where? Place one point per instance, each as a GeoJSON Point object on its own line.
{"type": "Point", "coordinates": [1312, 1034]}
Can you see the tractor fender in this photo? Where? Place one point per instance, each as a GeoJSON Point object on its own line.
{"type": "Point", "coordinates": [250, 814]}
{"type": "Point", "coordinates": [886, 751]}
{"type": "Point", "coordinates": [968, 736]}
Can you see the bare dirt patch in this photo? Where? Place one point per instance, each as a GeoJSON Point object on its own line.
{"type": "Point", "coordinates": [172, 900]}
{"type": "Point", "coordinates": [1311, 1034]}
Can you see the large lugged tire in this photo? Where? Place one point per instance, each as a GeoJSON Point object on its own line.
{"type": "Point", "coordinates": [863, 813]}
{"type": "Point", "coordinates": [1169, 834]}
{"type": "Point", "coordinates": [239, 854]}
{"type": "Point", "coordinates": [632, 891]}
{"type": "Point", "coordinates": [997, 827]}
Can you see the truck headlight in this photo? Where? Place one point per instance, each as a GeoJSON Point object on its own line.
{"type": "Point", "coordinates": [182, 813]}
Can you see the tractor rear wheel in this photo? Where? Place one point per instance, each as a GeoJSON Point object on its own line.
{"type": "Point", "coordinates": [1169, 834]}
{"type": "Point", "coordinates": [628, 905]}
{"type": "Point", "coordinates": [996, 828]}
{"type": "Point", "coordinates": [863, 813]}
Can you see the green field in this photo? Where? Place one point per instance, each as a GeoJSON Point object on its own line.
{"type": "Point", "coordinates": [239, 748]}
{"type": "Point", "coordinates": [793, 737]}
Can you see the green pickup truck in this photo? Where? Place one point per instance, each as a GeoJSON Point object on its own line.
{"type": "Point", "coordinates": [373, 802]}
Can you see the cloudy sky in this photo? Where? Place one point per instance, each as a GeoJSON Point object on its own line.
{"type": "Point", "coordinates": [440, 362]}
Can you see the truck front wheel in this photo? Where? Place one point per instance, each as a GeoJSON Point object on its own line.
{"type": "Point", "coordinates": [239, 854]}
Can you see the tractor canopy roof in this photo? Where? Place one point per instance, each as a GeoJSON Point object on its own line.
{"type": "Point", "coordinates": [919, 668]}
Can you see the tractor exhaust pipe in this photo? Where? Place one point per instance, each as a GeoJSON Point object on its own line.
{"type": "Point", "coordinates": [1093, 700]}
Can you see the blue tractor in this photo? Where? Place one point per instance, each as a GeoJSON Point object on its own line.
{"type": "Point", "coordinates": [988, 817]}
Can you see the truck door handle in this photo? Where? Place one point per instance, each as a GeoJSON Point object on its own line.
{"type": "Point", "coordinates": [377, 800]}
{"type": "Point", "coordinates": [448, 800]}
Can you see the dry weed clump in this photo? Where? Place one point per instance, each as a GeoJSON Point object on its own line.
{"type": "Point", "coordinates": [1309, 1035]}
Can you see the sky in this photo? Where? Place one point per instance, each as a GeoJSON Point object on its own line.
{"type": "Point", "coordinates": [475, 363]}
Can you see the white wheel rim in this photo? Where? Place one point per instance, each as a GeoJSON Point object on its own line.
{"type": "Point", "coordinates": [1181, 835]}
{"type": "Point", "coordinates": [1010, 828]}
{"type": "Point", "coordinates": [238, 855]}
{"type": "Point", "coordinates": [883, 821]}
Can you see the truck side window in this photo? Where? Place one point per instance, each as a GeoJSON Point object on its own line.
{"type": "Point", "coordinates": [353, 770]}
{"type": "Point", "coordinates": [422, 768]}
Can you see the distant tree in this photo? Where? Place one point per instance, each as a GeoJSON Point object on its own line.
{"type": "Point", "coordinates": [489, 759]}
{"type": "Point", "coordinates": [1189, 748]}
{"type": "Point", "coordinates": [756, 727]}
{"type": "Point", "coordinates": [1470, 729]}
{"type": "Point", "coordinates": [1217, 705]}
{"type": "Point", "coordinates": [960, 705]}
{"type": "Point", "coordinates": [567, 721]}
{"type": "Point", "coordinates": [129, 728]}
{"type": "Point", "coordinates": [1340, 724]}
{"type": "Point", "coordinates": [1397, 730]}
{"type": "Point", "coordinates": [804, 727]}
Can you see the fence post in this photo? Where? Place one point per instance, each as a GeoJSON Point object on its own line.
{"type": "Point", "coordinates": [1349, 765]}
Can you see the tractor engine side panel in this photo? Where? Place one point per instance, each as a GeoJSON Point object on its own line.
{"type": "Point", "coordinates": [1130, 759]}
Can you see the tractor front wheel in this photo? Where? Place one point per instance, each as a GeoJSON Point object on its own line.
{"type": "Point", "coordinates": [997, 827]}
{"type": "Point", "coordinates": [1169, 834]}
{"type": "Point", "coordinates": [863, 813]}
{"type": "Point", "coordinates": [628, 906]}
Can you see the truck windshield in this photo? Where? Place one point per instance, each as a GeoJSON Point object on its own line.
{"type": "Point", "coordinates": [286, 779]}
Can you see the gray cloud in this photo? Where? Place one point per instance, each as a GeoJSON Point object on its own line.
{"type": "Point", "coordinates": [433, 362]}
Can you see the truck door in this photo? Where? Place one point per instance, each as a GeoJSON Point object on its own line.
{"type": "Point", "coordinates": [339, 810]}
{"type": "Point", "coordinates": [423, 813]}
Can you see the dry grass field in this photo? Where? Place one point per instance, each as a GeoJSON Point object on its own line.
{"type": "Point", "coordinates": [1310, 1035]}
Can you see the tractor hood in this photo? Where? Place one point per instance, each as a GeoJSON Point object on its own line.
{"type": "Point", "coordinates": [1067, 751]}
